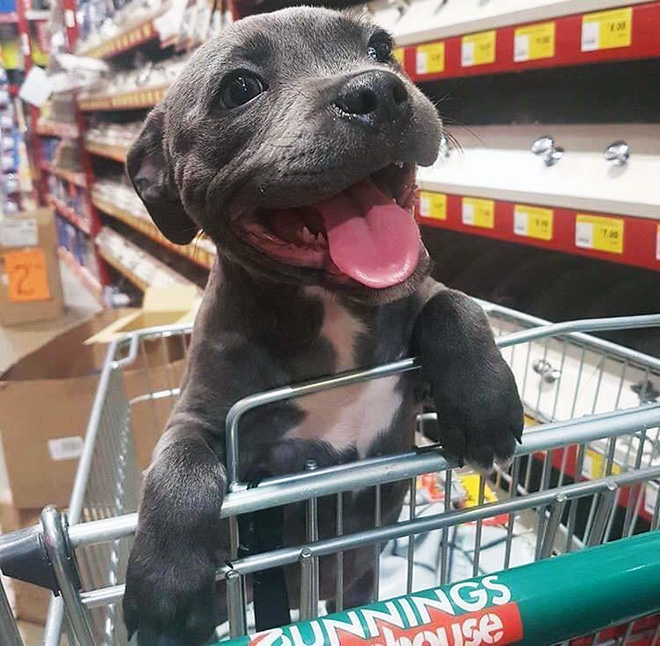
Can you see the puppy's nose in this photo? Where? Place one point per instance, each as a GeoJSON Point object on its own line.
{"type": "Point", "coordinates": [375, 98]}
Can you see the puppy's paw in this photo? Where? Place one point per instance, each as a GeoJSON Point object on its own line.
{"type": "Point", "coordinates": [480, 414]}
{"type": "Point", "coordinates": [170, 598]}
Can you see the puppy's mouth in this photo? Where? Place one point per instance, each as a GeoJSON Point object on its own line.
{"type": "Point", "coordinates": [366, 232]}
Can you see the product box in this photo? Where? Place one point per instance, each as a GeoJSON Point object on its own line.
{"type": "Point", "coordinates": [46, 399]}
{"type": "Point", "coordinates": [30, 284]}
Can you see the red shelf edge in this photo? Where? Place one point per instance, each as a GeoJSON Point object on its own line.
{"type": "Point", "coordinates": [639, 238]}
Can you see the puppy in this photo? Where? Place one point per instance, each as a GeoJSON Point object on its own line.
{"type": "Point", "coordinates": [292, 141]}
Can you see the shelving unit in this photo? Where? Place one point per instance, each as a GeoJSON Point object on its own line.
{"type": "Point", "coordinates": [542, 35]}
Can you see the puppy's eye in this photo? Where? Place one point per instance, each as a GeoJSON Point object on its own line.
{"type": "Point", "coordinates": [239, 88]}
{"type": "Point", "coordinates": [380, 47]}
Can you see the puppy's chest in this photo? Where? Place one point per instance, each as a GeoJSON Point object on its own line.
{"type": "Point", "coordinates": [351, 416]}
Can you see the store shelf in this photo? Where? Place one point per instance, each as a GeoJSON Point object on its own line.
{"type": "Point", "coordinates": [89, 280]}
{"type": "Point", "coordinates": [11, 18]}
{"type": "Point", "coordinates": [199, 256]}
{"type": "Point", "coordinates": [47, 128]}
{"type": "Point", "coordinates": [622, 239]}
{"type": "Point", "coordinates": [134, 100]}
{"type": "Point", "coordinates": [74, 178]}
{"type": "Point", "coordinates": [69, 214]}
{"type": "Point", "coordinates": [436, 44]}
{"type": "Point", "coordinates": [131, 37]}
{"type": "Point", "coordinates": [117, 153]}
{"type": "Point", "coordinates": [141, 268]}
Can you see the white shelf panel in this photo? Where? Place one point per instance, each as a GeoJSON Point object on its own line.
{"type": "Point", "coordinates": [497, 163]}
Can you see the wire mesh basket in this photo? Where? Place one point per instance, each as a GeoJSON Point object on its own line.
{"type": "Point", "coordinates": [586, 474]}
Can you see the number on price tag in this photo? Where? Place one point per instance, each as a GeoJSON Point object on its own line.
{"type": "Point", "coordinates": [478, 49]}
{"type": "Point", "coordinates": [398, 55]}
{"type": "Point", "coordinates": [430, 59]}
{"type": "Point", "coordinates": [27, 275]}
{"type": "Point", "coordinates": [532, 222]}
{"type": "Point", "coordinates": [433, 205]}
{"type": "Point", "coordinates": [478, 213]}
{"type": "Point", "coordinates": [600, 233]}
{"type": "Point", "coordinates": [607, 29]}
{"type": "Point", "coordinates": [534, 42]}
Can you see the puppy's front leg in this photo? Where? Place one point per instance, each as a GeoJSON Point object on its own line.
{"type": "Point", "coordinates": [170, 582]}
{"type": "Point", "coordinates": [479, 411]}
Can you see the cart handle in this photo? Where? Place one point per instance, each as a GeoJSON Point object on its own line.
{"type": "Point", "coordinates": [397, 367]}
{"type": "Point", "coordinates": [545, 602]}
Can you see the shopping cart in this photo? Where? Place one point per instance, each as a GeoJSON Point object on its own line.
{"type": "Point", "coordinates": [586, 474]}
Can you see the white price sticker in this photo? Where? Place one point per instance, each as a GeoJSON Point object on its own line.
{"type": "Point", "coordinates": [65, 448]}
{"type": "Point", "coordinates": [651, 497]}
{"type": "Point", "coordinates": [590, 36]}
{"type": "Point", "coordinates": [521, 48]}
{"type": "Point", "coordinates": [468, 213]}
{"type": "Point", "coordinates": [19, 233]}
{"type": "Point", "coordinates": [584, 235]}
{"type": "Point", "coordinates": [467, 53]}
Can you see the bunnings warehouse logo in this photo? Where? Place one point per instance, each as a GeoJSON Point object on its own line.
{"type": "Point", "coordinates": [470, 613]}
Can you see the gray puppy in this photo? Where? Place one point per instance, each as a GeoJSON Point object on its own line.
{"type": "Point", "coordinates": [292, 141]}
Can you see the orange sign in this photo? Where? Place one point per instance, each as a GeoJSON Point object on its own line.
{"type": "Point", "coordinates": [27, 274]}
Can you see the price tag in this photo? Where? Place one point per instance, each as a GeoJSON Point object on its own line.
{"type": "Point", "coordinates": [534, 42]}
{"type": "Point", "coordinates": [532, 222]}
{"type": "Point", "coordinates": [27, 275]}
{"type": "Point", "coordinates": [430, 59]}
{"type": "Point", "coordinates": [607, 29]}
{"type": "Point", "coordinates": [398, 54]}
{"type": "Point", "coordinates": [595, 465]}
{"type": "Point", "coordinates": [600, 233]}
{"type": "Point", "coordinates": [19, 233]}
{"type": "Point", "coordinates": [478, 213]}
{"type": "Point", "coordinates": [478, 49]}
{"type": "Point", "coordinates": [433, 205]}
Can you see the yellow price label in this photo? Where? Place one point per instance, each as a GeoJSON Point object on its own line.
{"type": "Point", "coordinates": [533, 222]}
{"type": "Point", "coordinates": [470, 483]}
{"type": "Point", "coordinates": [398, 55]}
{"type": "Point", "coordinates": [430, 59]}
{"type": "Point", "coordinates": [607, 29]}
{"type": "Point", "coordinates": [478, 213]}
{"type": "Point", "coordinates": [534, 42]}
{"type": "Point", "coordinates": [595, 465]}
{"type": "Point", "coordinates": [600, 233]}
{"type": "Point", "coordinates": [478, 49]}
{"type": "Point", "coordinates": [433, 205]}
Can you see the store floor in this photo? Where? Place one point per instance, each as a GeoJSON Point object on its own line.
{"type": "Point", "coordinates": [15, 343]}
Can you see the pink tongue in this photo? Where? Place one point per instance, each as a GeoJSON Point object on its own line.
{"type": "Point", "coordinates": [370, 238]}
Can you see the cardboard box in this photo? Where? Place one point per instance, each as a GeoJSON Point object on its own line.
{"type": "Point", "coordinates": [30, 284]}
{"type": "Point", "coordinates": [46, 399]}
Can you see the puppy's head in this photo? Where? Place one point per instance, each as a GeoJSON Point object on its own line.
{"type": "Point", "coordinates": [292, 141]}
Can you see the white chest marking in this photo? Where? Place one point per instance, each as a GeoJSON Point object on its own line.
{"type": "Point", "coordinates": [352, 415]}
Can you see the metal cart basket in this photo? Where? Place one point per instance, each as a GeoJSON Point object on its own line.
{"type": "Point", "coordinates": [586, 474]}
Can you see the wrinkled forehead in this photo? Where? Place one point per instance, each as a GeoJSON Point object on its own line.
{"type": "Point", "coordinates": [292, 40]}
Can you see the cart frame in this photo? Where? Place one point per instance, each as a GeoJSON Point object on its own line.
{"type": "Point", "coordinates": [66, 543]}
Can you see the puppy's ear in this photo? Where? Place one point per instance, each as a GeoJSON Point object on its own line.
{"type": "Point", "coordinates": [149, 171]}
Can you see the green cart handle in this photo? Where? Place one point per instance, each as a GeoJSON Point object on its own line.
{"type": "Point", "coordinates": [534, 605]}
